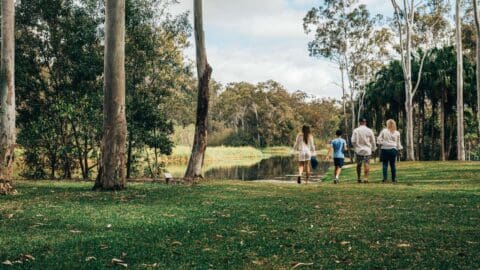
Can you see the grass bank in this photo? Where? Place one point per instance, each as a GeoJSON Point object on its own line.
{"type": "Point", "coordinates": [181, 153]}
{"type": "Point", "coordinates": [429, 220]}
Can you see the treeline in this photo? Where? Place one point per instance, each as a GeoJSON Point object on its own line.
{"type": "Point", "coordinates": [263, 114]}
{"type": "Point", "coordinates": [435, 104]}
{"type": "Point", "coordinates": [59, 69]}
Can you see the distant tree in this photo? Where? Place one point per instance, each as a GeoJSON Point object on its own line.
{"type": "Point", "coordinates": [204, 72]}
{"type": "Point", "coordinates": [460, 105]}
{"type": "Point", "coordinates": [112, 169]}
{"type": "Point", "coordinates": [7, 97]}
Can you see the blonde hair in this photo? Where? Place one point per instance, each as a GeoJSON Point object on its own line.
{"type": "Point", "coordinates": [391, 125]}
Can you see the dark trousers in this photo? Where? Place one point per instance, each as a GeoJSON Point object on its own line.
{"type": "Point", "coordinates": [389, 156]}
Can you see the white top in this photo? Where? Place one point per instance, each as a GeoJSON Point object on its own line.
{"type": "Point", "coordinates": [389, 140]}
{"type": "Point", "coordinates": [306, 150]}
{"type": "Point", "coordinates": [363, 141]}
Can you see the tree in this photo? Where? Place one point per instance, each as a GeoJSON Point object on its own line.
{"type": "Point", "coordinates": [460, 111]}
{"type": "Point", "coordinates": [345, 34]}
{"type": "Point", "coordinates": [406, 21]}
{"type": "Point", "coordinates": [204, 73]}
{"type": "Point", "coordinates": [112, 169]}
{"type": "Point", "coordinates": [477, 28]}
{"type": "Point", "coordinates": [7, 97]}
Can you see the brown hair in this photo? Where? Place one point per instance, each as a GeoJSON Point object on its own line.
{"type": "Point", "coordinates": [306, 133]}
{"type": "Point", "coordinates": [391, 125]}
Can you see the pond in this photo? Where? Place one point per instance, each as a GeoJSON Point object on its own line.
{"type": "Point", "coordinates": [273, 168]}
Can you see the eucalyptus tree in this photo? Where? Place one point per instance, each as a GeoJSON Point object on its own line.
{"type": "Point", "coordinates": [460, 105]}
{"type": "Point", "coordinates": [344, 33]}
{"type": "Point", "coordinates": [477, 28]}
{"type": "Point", "coordinates": [112, 169]}
{"type": "Point", "coordinates": [7, 97]}
{"type": "Point", "coordinates": [414, 26]}
{"type": "Point", "coordinates": [204, 73]}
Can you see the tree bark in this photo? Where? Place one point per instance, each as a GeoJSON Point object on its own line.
{"type": "Point", "coordinates": [204, 72]}
{"type": "Point", "coordinates": [7, 98]}
{"type": "Point", "coordinates": [442, 126]}
{"type": "Point", "coordinates": [112, 171]}
{"type": "Point", "coordinates": [477, 27]}
{"type": "Point", "coordinates": [460, 113]}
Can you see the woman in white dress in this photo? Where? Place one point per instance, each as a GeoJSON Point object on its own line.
{"type": "Point", "coordinates": [305, 147]}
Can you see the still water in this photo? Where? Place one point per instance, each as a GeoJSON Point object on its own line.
{"type": "Point", "coordinates": [274, 168]}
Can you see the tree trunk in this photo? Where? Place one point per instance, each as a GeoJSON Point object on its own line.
{"type": "Point", "coordinates": [477, 27]}
{"type": "Point", "coordinates": [204, 72]}
{"type": "Point", "coordinates": [442, 126]}
{"type": "Point", "coordinates": [112, 171]}
{"type": "Point", "coordinates": [7, 98]}
{"type": "Point", "coordinates": [460, 113]}
{"type": "Point", "coordinates": [129, 157]}
{"type": "Point", "coordinates": [344, 103]}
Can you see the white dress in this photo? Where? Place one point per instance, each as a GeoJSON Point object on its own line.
{"type": "Point", "coordinates": [305, 150]}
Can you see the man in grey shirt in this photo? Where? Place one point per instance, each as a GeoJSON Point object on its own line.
{"type": "Point", "coordinates": [364, 144]}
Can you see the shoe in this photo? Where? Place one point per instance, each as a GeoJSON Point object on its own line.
{"type": "Point", "coordinates": [394, 182]}
{"type": "Point", "coordinates": [384, 181]}
{"type": "Point", "coordinates": [299, 180]}
{"type": "Point", "coordinates": [365, 181]}
{"type": "Point", "coordinates": [359, 181]}
{"type": "Point", "coordinates": [335, 181]}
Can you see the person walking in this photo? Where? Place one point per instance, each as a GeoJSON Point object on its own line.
{"type": "Point", "coordinates": [339, 146]}
{"type": "Point", "coordinates": [390, 145]}
{"type": "Point", "coordinates": [305, 147]}
{"type": "Point", "coordinates": [363, 141]}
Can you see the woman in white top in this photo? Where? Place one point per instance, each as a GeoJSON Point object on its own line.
{"type": "Point", "coordinates": [389, 139]}
{"type": "Point", "coordinates": [305, 147]}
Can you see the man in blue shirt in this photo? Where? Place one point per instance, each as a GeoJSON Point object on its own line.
{"type": "Point", "coordinates": [339, 145]}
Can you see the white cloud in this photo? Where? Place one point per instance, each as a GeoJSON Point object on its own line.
{"type": "Point", "coordinates": [252, 40]}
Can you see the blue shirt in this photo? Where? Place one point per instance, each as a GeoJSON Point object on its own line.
{"type": "Point", "coordinates": [338, 145]}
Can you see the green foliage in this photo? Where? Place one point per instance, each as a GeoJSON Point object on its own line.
{"type": "Point", "coordinates": [385, 97]}
{"type": "Point", "coordinates": [428, 220]}
{"type": "Point", "coordinates": [59, 66]}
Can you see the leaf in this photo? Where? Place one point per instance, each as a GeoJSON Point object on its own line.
{"type": "Point", "coordinates": [116, 261]}
{"type": "Point", "coordinates": [9, 216]}
{"type": "Point", "coordinates": [403, 245]}
{"type": "Point", "coordinates": [300, 264]}
{"type": "Point", "coordinates": [90, 258]}
{"type": "Point", "coordinates": [75, 231]}
{"type": "Point", "coordinates": [176, 243]}
{"type": "Point", "coordinates": [27, 257]}
{"type": "Point", "coordinates": [109, 226]}
{"type": "Point", "coordinates": [7, 262]}
{"type": "Point", "coordinates": [343, 243]}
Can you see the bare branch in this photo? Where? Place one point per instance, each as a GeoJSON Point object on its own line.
{"type": "Point", "coordinates": [419, 75]}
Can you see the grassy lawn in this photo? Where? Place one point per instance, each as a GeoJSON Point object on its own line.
{"type": "Point", "coordinates": [431, 219]}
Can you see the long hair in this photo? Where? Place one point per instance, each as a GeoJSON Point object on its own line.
{"type": "Point", "coordinates": [391, 125]}
{"type": "Point", "coordinates": [306, 133]}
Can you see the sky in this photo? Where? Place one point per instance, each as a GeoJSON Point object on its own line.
{"type": "Point", "coordinates": [259, 40]}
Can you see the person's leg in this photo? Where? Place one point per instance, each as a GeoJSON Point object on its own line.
{"type": "Point", "coordinates": [366, 168]}
{"type": "Point", "coordinates": [393, 166]}
{"type": "Point", "coordinates": [359, 169]}
{"type": "Point", "coordinates": [300, 171]}
{"type": "Point", "coordinates": [307, 171]}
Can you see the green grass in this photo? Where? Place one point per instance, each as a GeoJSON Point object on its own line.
{"type": "Point", "coordinates": [429, 220]}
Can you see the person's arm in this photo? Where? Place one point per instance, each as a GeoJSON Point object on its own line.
{"type": "Point", "coordinates": [372, 140]}
{"type": "Point", "coordinates": [354, 139]}
{"type": "Point", "coordinates": [312, 146]}
{"type": "Point", "coordinates": [345, 147]}
{"type": "Point", "coordinates": [295, 146]}
{"type": "Point", "coordinates": [380, 138]}
{"type": "Point", "coordinates": [399, 142]}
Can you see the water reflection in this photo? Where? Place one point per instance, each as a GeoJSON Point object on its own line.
{"type": "Point", "coordinates": [272, 168]}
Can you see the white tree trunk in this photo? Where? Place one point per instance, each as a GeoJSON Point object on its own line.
{"type": "Point", "coordinates": [477, 27]}
{"type": "Point", "coordinates": [7, 97]}
{"type": "Point", "coordinates": [460, 113]}
{"type": "Point", "coordinates": [204, 72]}
{"type": "Point", "coordinates": [112, 169]}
